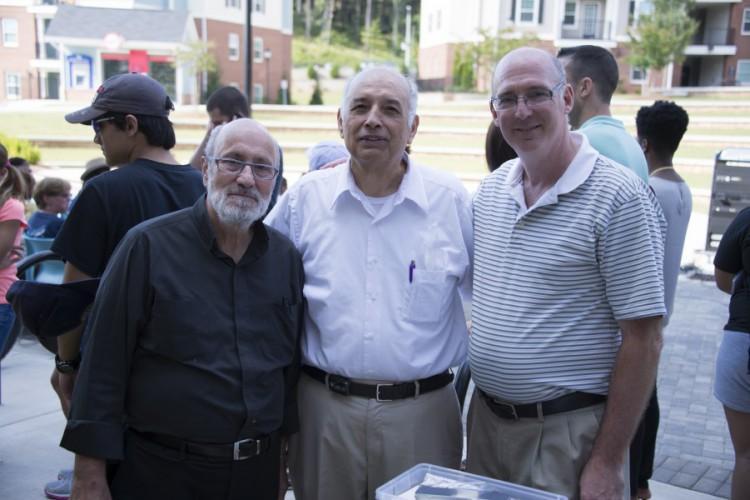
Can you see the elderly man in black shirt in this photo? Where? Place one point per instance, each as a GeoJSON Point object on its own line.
{"type": "Point", "coordinates": [189, 375]}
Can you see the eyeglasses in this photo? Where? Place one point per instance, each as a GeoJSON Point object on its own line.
{"type": "Point", "coordinates": [534, 98]}
{"type": "Point", "coordinates": [232, 166]}
{"type": "Point", "coordinates": [96, 124]}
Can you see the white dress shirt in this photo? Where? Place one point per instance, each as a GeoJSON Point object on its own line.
{"type": "Point", "coordinates": [382, 279]}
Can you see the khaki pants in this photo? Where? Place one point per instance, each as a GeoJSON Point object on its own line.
{"type": "Point", "coordinates": [546, 454]}
{"type": "Point", "coordinates": [349, 446]}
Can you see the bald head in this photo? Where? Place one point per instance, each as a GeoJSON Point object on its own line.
{"type": "Point", "coordinates": [523, 58]}
{"type": "Point", "coordinates": [383, 74]}
{"type": "Point", "coordinates": [241, 130]}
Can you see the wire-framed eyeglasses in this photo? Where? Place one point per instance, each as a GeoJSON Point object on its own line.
{"type": "Point", "coordinates": [533, 98]}
{"type": "Point", "coordinates": [234, 166]}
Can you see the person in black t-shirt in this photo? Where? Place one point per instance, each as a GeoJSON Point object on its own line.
{"type": "Point", "coordinates": [129, 117]}
{"type": "Point", "coordinates": [732, 381]}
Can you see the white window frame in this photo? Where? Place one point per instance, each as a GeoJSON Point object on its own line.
{"type": "Point", "coordinates": [259, 6]}
{"type": "Point", "coordinates": [233, 46]}
{"type": "Point", "coordinates": [7, 23]}
{"type": "Point", "coordinates": [438, 20]}
{"type": "Point", "coordinates": [574, 24]}
{"type": "Point", "coordinates": [233, 4]}
{"type": "Point", "coordinates": [634, 79]}
{"type": "Point", "coordinates": [258, 49]}
{"type": "Point", "coordinates": [534, 13]}
{"type": "Point", "coordinates": [745, 22]}
{"type": "Point", "coordinates": [742, 62]}
{"type": "Point", "coordinates": [258, 93]}
{"type": "Point", "coordinates": [13, 75]}
{"type": "Point", "coordinates": [83, 70]}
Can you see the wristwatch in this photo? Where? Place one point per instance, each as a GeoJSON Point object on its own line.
{"type": "Point", "coordinates": [67, 365]}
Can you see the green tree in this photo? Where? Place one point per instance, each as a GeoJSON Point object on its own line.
{"type": "Point", "coordinates": [662, 34]}
{"type": "Point", "coordinates": [317, 96]}
{"type": "Point", "coordinates": [200, 57]}
{"type": "Point", "coordinates": [478, 59]}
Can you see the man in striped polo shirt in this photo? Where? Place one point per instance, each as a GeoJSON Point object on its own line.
{"type": "Point", "coordinates": [568, 296]}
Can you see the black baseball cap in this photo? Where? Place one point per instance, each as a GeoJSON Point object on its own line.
{"type": "Point", "coordinates": [48, 310]}
{"type": "Point", "coordinates": [132, 93]}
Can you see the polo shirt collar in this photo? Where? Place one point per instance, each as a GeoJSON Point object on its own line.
{"type": "Point", "coordinates": [411, 187]}
{"type": "Point", "coordinates": [576, 174]}
{"type": "Point", "coordinates": [199, 213]}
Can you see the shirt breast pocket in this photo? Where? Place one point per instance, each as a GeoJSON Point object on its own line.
{"type": "Point", "coordinates": [428, 296]}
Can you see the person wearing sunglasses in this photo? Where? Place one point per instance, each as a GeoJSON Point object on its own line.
{"type": "Point", "coordinates": [568, 297]}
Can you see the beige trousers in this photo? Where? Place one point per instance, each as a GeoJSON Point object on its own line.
{"type": "Point", "coordinates": [546, 454]}
{"type": "Point", "coordinates": [349, 446]}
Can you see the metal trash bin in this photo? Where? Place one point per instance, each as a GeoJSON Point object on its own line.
{"type": "Point", "coordinates": [730, 192]}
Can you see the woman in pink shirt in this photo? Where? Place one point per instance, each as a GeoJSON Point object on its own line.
{"type": "Point", "coordinates": [12, 223]}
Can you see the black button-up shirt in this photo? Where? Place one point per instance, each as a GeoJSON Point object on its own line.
{"type": "Point", "coordinates": [184, 342]}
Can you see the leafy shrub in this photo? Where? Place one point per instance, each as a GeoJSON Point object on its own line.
{"type": "Point", "coordinates": [317, 97]}
{"type": "Point", "coordinates": [336, 71]}
{"type": "Point", "coordinates": [21, 147]}
{"type": "Point", "coordinates": [312, 73]}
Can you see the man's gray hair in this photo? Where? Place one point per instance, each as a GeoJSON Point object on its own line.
{"type": "Point", "coordinates": [213, 139]}
{"type": "Point", "coordinates": [408, 82]}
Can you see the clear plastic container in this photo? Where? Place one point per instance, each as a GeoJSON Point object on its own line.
{"type": "Point", "coordinates": [477, 487]}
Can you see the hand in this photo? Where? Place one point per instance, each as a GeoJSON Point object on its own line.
{"type": "Point", "coordinates": [89, 480]}
{"type": "Point", "coordinates": [601, 480]}
{"type": "Point", "coordinates": [62, 384]}
{"type": "Point", "coordinates": [15, 254]}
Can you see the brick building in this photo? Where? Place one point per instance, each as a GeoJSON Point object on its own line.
{"type": "Point", "coordinates": [718, 55]}
{"type": "Point", "coordinates": [64, 50]}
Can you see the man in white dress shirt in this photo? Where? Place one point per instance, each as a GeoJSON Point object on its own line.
{"type": "Point", "coordinates": [386, 245]}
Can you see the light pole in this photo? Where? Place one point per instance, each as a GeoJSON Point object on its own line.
{"type": "Point", "coordinates": [267, 57]}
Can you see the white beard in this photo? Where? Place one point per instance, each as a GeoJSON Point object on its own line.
{"type": "Point", "coordinates": [242, 212]}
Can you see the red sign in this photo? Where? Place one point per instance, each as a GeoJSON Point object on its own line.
{"type": "Point", "coordinates": [138, 61]}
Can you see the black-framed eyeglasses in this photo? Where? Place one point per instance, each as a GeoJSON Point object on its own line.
{"type": "Point", "coordinates": [533, 98]}
{"type": "Point", "coordinates": [96, 124]}
{"type": "Point", "coordinates": [233, 166]}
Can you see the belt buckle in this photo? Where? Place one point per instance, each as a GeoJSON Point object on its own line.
{"type": "Point", "coordinates": [237, 445]}
{"type": "Point", "coordinates": [508, 405]}
{"type": "Point", "coordinates": [337, 384]}
{"type": "Point", "coordinates": [377, 392]}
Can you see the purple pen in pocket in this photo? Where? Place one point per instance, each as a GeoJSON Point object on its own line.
{"type": "Point", "coordinates": [412, 265]}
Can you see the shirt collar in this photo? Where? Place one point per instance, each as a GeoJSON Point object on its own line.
{"type": "Point", "coordinates": [411, 187]}
{"type": "Point", "coordinates": [258, 245]}
{"type": "Point", "coordinates": [574, 175]}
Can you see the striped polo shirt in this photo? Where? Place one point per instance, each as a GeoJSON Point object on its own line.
{"type": "Point", "coordinates": [551, 281]}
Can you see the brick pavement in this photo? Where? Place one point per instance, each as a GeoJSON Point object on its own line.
{"type": "Point", "coordinates": [693, 447]}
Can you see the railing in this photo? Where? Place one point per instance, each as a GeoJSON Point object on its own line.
{"type": "Point", "coordinates": [598, 29]}
{"type": "Point", "coordinates": [713, 36]}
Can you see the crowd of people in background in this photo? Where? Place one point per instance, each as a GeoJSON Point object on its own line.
{"type": "Point", "coordinates": [242, 330]}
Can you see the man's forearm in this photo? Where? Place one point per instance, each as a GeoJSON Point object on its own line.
{"type": "Point", "coordinates": [633, 378]}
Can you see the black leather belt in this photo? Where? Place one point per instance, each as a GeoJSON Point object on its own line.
{"type": "Point", "coordinates": [569, 402]}
{"type": "Point", "coordinates": [239, 450]}
{"type": "Point", "coordinates": [379, 392]}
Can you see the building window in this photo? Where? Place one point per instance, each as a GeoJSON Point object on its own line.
{"type": "Point", "coordinates": [233, 4]}
{"type": "Point", "coordinates": [13, 85]}
{"type": "Point", "coordinates": [631, 13]}
{"type": "Point", "coordinates": [259, 6]}
{"type": "Point", "coordinates": [570, 14]}
{"type": "Point", "coordinates": [637, 75]}
{"type": "Point", "coordinates": [10, 32]}
{"type": "Point", "coordinates": [258, 93]}
{"type": "Point", "coordinates": [233, 42]}
{"type": "Point", "coordinates": [746, 22]}
{"type": "Point", "coordinates": [258, 50]}
{"type": "Point", "coordinates": [527, 11]}
{"type": "Point", "coordinates": [743, 71]}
